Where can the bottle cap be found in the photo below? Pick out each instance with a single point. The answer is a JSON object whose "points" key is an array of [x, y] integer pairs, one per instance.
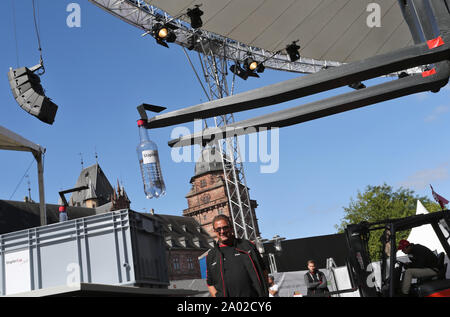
{"points": [[62, 208], [140, 122]]}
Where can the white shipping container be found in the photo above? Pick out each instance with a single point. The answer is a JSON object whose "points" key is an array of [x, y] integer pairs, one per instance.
{"points": [[115, 248]]}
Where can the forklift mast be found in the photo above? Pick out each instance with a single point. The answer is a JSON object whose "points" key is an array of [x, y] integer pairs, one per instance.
{"points": [[357, 237]]}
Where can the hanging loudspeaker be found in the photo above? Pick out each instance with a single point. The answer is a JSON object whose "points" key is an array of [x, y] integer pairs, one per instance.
{"points": [[29, 94]]}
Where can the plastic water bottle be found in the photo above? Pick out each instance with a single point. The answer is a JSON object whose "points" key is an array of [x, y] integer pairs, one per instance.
{"points": [[62, 214], [147, 152]]}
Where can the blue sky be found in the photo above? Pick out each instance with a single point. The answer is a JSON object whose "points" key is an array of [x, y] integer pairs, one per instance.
{"points": [[100, 72]]}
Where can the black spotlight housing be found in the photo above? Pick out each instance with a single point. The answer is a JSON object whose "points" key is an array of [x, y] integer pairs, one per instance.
{"points": [[195, 16], [163, 33], [252, 66], [260, 68], [292, 51], [239, 71], [29, 94]]}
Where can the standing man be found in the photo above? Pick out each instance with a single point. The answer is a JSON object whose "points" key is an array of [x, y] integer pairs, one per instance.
{"points": [[423, 263], [273, 288], [234, 266], [315, 281]]}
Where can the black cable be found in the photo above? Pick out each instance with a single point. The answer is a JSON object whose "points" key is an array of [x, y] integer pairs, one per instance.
{"points": [[15, 31], [20, 182], [38, 37]]}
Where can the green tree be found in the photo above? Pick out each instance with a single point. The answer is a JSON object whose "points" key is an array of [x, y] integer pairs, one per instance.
{"points": [[378, 203]]}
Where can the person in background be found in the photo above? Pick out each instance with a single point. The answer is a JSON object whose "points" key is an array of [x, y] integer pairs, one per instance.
{"points": [[315, 281], [424, 263], [273, 288], [235, 268]]}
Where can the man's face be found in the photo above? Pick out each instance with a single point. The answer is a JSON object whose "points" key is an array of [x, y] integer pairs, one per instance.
{"points": [[223, 231], [407, 250], [311, 267], [270, 281]]}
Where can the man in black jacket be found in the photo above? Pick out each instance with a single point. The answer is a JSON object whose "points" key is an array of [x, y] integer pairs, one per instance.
{"points": [[424, 263], [234, 266], [315, 281]]}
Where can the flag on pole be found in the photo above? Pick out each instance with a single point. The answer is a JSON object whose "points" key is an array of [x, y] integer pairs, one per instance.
{"points": [[441, 200]]}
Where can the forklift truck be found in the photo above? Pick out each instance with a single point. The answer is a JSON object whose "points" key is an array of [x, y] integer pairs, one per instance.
{"points": [[360, 266]]}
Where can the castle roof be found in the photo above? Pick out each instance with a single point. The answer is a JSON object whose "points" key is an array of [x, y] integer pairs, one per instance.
{"points": [[208, 161], [99, 187]]}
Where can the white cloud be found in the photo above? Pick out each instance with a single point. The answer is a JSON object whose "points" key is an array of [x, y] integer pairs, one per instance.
{"points": [[421, 179], [437, 112]]}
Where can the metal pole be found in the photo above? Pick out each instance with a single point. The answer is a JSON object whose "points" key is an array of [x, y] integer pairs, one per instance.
{"points": [[392, 261], [441, 237], [42, 207], [272, 263]]}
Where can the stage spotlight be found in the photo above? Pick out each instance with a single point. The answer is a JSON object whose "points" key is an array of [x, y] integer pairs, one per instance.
{"points": [[252, 66], [236, 69], [359, 85], [292, 50], [29, 94], [162, 34], [194, 15]]}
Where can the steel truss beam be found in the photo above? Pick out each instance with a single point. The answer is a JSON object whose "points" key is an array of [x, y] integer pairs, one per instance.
{"points": [[432, 51], [242, 215], [303, 86], [144, 16], [315, 110]]}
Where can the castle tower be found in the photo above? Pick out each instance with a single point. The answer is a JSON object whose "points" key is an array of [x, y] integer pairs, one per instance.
{"points": [[208, 195], [99, 192]]}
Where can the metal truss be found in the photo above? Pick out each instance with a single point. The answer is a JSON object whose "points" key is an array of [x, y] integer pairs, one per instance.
{"points": [[144, 16], [214, 69]]}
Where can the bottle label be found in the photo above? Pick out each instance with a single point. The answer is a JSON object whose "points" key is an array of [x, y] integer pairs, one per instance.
{"points": [[149, 156]]}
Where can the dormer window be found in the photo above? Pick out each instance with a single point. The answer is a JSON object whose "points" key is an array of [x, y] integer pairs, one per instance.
{"points": [[169, 241], [182, 241], [196, 242]]}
